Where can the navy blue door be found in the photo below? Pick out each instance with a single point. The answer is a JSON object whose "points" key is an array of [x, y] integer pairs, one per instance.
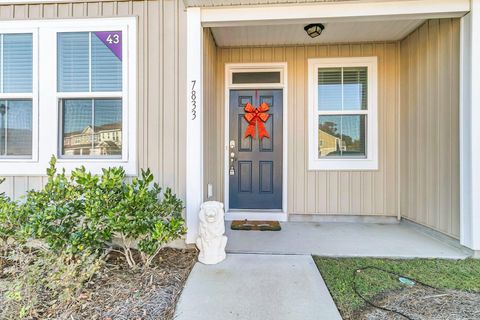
{"points": [[256, 165]]}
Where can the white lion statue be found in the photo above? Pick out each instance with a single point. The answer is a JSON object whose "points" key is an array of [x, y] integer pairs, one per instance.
{"points": [[211, 242]]}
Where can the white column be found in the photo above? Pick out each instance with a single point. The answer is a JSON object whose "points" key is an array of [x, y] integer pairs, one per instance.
{"points": [[194, 162], [470, 129]]}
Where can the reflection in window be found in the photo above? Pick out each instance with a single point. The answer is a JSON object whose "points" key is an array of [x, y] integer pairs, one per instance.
{"points": [[342, 136], [92, 127], [15, 128]]}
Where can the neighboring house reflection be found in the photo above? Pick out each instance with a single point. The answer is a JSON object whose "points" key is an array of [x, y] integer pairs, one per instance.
{"points": [[99, 141], [328, 143]]}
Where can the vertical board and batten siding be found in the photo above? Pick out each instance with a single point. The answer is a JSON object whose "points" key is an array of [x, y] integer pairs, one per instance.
{"points": [[161, 79], [320, 192], [429, 147], [212, 136]]}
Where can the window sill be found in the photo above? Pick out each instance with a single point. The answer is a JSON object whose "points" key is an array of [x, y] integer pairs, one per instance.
{"points": [[39, 168], [343, 165]]}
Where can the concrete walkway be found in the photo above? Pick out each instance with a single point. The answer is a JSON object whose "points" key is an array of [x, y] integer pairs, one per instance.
{"points": [[398, 240], [252, 286]]}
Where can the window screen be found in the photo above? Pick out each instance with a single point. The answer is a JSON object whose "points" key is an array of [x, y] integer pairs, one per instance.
{"points": [[342, 111], [92, 127], [16, 77], [91, 62]]}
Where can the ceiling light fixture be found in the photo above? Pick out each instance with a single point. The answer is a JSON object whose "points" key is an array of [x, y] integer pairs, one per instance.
{"points": [[314, 29]]}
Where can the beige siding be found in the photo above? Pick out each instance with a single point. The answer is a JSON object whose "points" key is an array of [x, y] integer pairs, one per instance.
{"points": [[212, 137], [430, 134], [333, 192], [161, 81]]}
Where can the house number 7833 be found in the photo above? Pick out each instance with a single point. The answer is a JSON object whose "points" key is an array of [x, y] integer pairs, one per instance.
{"points": [[193, 98]]}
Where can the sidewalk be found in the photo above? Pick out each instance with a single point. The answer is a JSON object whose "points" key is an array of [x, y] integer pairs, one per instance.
{"points": [[255, 286]]}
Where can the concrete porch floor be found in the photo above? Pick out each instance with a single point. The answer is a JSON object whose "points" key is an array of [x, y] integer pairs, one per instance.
{"points": [[398, 240]]}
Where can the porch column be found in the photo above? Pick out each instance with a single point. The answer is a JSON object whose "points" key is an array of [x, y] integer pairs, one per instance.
{"points": [[194, 161], [470, 129]]}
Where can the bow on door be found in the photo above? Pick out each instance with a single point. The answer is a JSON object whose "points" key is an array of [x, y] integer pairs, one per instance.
{"points": [[256, 118]]}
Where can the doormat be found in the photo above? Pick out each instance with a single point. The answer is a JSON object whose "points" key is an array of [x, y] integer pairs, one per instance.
{"points": [[247, 225]]}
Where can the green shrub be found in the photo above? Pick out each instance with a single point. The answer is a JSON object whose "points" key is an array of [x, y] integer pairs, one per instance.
{"points": [[11, 224], [83, 211], [64, 213], [140, 217]]}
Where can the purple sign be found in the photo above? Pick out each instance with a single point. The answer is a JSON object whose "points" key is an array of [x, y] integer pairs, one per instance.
{"points": [[113, 41]]}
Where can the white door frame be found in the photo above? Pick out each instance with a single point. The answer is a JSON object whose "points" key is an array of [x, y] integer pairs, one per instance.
{"points": [[239, 67]]}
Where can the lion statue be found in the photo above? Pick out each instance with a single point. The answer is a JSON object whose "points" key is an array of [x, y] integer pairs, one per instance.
{"points": [[211, 242]]}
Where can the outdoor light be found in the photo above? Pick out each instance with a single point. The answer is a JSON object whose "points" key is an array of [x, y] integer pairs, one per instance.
{"points": [[314, 29]]}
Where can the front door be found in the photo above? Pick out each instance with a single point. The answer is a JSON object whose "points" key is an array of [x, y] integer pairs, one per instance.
{"points": [[255, 165]]}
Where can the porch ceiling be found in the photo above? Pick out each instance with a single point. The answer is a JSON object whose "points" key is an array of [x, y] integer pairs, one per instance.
{"points": [[219, 3], [335, 32], [224, 3]]}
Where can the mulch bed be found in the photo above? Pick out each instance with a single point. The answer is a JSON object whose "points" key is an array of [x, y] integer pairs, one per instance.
{"points": [[120, 293], [423, 303]]}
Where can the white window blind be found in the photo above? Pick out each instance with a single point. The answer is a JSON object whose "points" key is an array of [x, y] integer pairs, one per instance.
{"points": [[86, 64], [16, 78]]}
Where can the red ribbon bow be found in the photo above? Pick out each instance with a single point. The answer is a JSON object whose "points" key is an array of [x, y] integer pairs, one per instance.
{"points": [[256, 117]]}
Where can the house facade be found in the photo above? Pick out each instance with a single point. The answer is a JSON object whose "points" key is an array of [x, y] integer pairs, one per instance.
{"points": [[282, 110]]}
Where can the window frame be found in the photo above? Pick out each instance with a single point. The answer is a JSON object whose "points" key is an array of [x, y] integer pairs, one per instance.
{"points": [[46, 113], [370, 162], [33, 96], [93, 95]]}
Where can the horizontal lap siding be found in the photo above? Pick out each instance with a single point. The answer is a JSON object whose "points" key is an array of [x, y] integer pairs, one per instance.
{"points": [[321, 192], [430, 133], [160, 81]]}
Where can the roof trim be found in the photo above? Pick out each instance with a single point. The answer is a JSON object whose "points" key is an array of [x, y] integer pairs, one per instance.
{"points": [[333, 11]]}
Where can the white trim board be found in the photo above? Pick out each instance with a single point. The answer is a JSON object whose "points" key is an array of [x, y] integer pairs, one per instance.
{"points": [[256, 216], [194, 121], [333, 11], [229, 69], [470, 129]]}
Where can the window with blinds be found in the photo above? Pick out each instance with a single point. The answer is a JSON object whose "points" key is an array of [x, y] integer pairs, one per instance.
{"points": [[342, 111], [90, 77], [16, 52]]}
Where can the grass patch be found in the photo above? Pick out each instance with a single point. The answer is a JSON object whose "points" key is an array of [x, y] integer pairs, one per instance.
{"points": [[338, 274]]}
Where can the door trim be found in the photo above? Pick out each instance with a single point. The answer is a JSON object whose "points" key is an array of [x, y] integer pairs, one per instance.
{"points": [[280, 215]]}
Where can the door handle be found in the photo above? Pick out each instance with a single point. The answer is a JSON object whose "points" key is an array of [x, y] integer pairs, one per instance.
{"points": [[232, 158]]}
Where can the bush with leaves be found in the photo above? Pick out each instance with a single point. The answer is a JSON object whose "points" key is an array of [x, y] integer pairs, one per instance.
{"points": [[11, 223], [65, 213], [140, 217], [84, 211]]}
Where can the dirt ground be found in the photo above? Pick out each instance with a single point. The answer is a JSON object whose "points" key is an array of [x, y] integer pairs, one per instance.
{"points": [[119, 293], [423, 303]]}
